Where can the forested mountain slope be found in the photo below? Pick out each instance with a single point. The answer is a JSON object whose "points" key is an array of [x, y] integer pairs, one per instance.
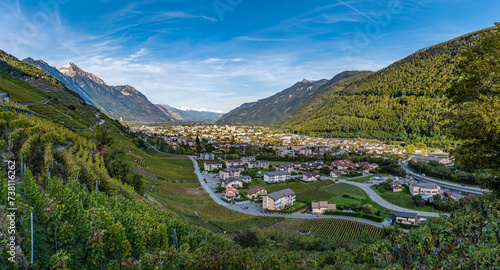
{"points": [[403, 101], [269, 110]]}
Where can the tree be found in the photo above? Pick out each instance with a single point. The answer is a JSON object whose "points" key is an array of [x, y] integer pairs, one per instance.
{"points": [[367, 209], [475, 115], [102, 137], [418, 200]]}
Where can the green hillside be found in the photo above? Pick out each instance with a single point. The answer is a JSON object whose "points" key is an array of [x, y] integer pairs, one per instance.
{"points": [[403, 101], [44, 94]]}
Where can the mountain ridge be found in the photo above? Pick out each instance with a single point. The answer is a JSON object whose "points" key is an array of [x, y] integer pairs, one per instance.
{"points": [[119, 102], [272, 110]]}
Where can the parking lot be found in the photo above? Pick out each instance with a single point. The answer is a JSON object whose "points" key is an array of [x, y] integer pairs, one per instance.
{"points": [[212, 180]]}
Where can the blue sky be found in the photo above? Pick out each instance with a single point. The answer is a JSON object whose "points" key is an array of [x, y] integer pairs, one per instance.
{"points": [[218, 54]]}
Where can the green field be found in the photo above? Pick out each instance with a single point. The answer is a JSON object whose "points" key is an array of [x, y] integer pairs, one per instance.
{"points": [[343, 188], [347, 195], [182, 193], [402, 199], [343, 230], [314, 195]]}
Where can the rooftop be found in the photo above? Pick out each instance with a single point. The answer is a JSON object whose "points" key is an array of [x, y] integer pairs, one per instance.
{"points": [[280, 194]]}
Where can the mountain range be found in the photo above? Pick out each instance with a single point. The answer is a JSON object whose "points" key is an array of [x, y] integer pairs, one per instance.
{"points": [[119, 102], [190, 115], [403, 101], [269, 110], [274, 109]]}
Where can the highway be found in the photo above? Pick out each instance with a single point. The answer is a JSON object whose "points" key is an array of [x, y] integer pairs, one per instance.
{"points": [[448, 185]]}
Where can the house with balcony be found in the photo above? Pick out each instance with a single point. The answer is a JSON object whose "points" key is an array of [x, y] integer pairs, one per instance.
{"points": [[229, 172], [278, 200], [396, 186], [284, 168], [276, 176], [207, 156], [234, 162], [311, 177], [256, 192], [231, 182], [212, 165]]}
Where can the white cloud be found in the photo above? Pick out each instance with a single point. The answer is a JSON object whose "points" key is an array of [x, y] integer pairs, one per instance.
{"points": [[184, 15]]}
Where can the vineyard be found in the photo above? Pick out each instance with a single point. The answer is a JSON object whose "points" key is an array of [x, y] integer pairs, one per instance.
{"points": [[342, 230]]}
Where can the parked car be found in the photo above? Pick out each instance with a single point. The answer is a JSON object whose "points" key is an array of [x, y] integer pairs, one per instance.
{"points": [[244, 207]]}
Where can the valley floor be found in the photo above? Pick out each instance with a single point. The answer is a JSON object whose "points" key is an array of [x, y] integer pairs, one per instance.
{"points": [[254, 209]]}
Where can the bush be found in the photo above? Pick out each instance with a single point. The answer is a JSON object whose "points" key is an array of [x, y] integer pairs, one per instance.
{"points": [[367, 208]]}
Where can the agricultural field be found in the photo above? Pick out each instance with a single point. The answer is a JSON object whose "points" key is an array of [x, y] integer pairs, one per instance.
{"points": [[343, 230], [182, 194]]}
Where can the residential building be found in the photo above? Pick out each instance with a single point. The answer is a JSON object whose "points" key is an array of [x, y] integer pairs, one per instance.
{"points": [[242, 178], [366, 166], [284, 168], [278, 200], [396, 186], [258, 164], [229, 172], [305, 151], [231, 193], [245, 160], [296, 164], [232, 182], [424, 189], [405, 218], [321, 207], [240, 168], [264, 164], [309, 177], [276, 176], [207, 156], [231, 163], [256, 192], [335, 173], [212, 165], [343, 164], [285, 152]]}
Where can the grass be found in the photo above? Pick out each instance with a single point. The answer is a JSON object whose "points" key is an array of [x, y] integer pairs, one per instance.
{"points": [[20, 91], [314, 195], [402, 199], [343, 188], [288, 225], [182, 194], [355, 196], [342, 230], [366, 178]]}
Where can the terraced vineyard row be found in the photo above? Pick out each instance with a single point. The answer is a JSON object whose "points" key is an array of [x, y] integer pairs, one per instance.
{"points": [[344, 230]]}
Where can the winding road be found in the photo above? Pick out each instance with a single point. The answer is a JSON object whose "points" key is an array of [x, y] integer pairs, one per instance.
{"points": [[257, 212]]}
